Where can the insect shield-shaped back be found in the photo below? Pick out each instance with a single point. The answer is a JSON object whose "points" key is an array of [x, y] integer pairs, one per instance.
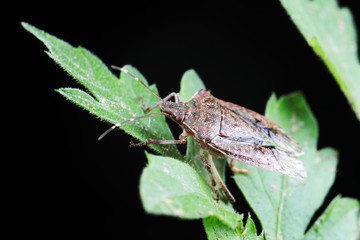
{"points": [[204, 117], [228, 130]]}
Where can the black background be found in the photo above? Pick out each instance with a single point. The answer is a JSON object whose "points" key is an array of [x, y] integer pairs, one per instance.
{"points": [[63, 182]]}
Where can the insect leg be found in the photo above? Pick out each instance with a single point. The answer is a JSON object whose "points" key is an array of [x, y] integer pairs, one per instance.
{"points": [[208, 168], [177, 97], [127, 121], [182, 140], [220, 181], [154, 141], [237, 170], [148, 109]]}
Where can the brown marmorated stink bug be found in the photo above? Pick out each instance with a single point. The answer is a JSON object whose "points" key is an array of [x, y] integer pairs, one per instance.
{"points": [[226, 130]]}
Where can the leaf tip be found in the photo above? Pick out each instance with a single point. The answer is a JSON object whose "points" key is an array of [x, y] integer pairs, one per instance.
{"points": [[30, 28], [24, 24]]}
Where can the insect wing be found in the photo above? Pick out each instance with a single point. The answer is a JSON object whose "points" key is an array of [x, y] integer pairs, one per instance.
{"points": [[266, 126], [270, 158], [235, 128]]}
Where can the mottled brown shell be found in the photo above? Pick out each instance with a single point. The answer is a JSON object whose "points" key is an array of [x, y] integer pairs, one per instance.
{"points": [[228, 130]]}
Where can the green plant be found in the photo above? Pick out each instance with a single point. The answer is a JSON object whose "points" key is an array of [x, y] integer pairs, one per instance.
{"points": [[178, 186], [330, 31]]}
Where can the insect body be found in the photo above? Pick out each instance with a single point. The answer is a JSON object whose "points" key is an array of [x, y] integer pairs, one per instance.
{"points": [[227, 130]]}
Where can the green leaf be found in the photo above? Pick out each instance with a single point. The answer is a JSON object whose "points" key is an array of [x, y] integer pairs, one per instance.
{"points": [[171, 187], [110, 98], [330, 31], [249, 231], [215, 230], [339, 221], [189, 85], [283, 204]]}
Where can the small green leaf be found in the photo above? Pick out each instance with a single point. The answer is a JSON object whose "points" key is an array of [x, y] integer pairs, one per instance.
{"points": [[171, 187], [339, 221], [190, 84], [110, 98], [217, 230], [330, 31], [249, 231]]}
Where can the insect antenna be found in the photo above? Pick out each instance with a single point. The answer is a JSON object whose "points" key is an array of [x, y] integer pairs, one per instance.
{"points": [[127, 121], [137, 79]]}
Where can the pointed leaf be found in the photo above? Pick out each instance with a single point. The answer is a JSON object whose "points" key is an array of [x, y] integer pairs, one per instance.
{"points": [[330, 31], [216, 230], [112, 99], [249, 231], [189, 85], [339, 221]]}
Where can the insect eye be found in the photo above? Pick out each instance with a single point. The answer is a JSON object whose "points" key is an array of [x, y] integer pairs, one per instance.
{"points": [[179, 118]]}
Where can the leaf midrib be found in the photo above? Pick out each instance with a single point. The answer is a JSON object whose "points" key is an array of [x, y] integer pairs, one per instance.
{"points": [[281, 204]]}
